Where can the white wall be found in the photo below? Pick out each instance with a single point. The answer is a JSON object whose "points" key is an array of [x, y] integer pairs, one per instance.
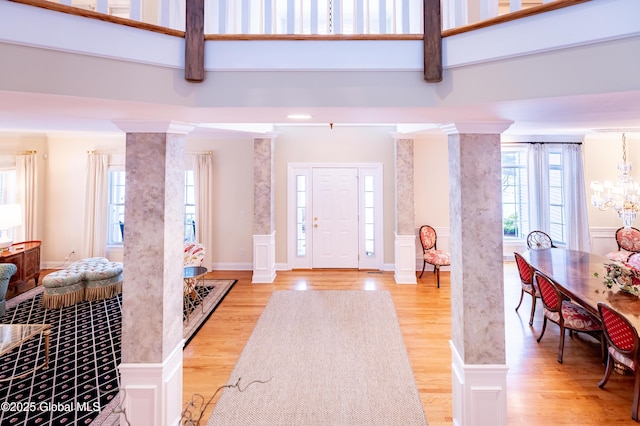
{"points": [[342, 144], [62, 163]]}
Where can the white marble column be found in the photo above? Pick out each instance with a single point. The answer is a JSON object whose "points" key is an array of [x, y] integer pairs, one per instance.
{"points": [[264, 234], [477, 294], [405, 237], [151, 368]]}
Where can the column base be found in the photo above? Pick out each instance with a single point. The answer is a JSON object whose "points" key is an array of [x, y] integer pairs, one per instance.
{"points": [[264, 258], [405, 259], [152, 392], [479, 392]]}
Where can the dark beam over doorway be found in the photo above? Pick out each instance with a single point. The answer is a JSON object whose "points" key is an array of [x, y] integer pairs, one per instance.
{"points": [[432, 41], [194, 41]]}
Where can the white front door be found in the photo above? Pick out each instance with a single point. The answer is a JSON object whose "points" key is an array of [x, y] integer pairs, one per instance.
{"points": [[335, 217]]}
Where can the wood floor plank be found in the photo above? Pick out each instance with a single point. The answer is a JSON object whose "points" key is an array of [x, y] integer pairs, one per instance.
{"points": [[540, 391]]}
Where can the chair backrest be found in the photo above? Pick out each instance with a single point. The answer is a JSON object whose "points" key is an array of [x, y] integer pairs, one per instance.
{"points": [[428, 237], [549, 293], [634, 261], [525, 270], [628, 239], [619, 332], [538, 240]]}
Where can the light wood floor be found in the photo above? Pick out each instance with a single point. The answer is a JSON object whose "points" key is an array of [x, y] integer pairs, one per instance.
{"points": [[540, 390]]}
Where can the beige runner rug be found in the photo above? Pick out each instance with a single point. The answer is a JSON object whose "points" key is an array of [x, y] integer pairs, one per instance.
{"points": [[323, 357]]}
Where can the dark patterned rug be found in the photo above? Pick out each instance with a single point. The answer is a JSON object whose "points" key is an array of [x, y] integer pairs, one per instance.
{"points": [[82, 378]]}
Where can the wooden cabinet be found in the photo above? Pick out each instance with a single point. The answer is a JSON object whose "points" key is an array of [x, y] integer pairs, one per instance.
{"points": [[26, 256]]}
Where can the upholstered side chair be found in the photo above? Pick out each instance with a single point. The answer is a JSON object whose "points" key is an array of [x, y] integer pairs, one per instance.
{"points": [[565, 313], [430, 252], [6, 272], [623, 345], [628, 240], [527, 284]]}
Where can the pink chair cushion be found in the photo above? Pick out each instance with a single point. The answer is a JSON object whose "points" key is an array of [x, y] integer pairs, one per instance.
{"points": [[437, 257], [619, 256], [622, 359], [634, 261], [575, 317]]}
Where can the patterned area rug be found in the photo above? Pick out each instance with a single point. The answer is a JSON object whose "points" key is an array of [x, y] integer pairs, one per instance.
{"points": [[82, 378]]}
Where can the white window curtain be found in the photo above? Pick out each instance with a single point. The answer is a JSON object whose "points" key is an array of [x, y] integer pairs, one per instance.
{"points": [[575, 200], [203, 181], [94, 242], [27, 195], [538, 181], [577, 223]]}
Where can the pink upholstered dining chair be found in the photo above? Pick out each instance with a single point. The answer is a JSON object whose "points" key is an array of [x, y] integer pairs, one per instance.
{"points": [[622, 339], [628, 240], [526, 272], [430, 252], [565, 313]]}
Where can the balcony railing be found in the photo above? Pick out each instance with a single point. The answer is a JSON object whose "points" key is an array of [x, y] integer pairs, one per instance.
{"points": [[306, 17]]}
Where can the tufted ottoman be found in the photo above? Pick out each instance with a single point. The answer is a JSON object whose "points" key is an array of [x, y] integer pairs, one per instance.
{"points": [[93, 278]]}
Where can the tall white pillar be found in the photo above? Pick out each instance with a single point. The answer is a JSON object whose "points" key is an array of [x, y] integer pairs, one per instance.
{"points": [[405, 237], [151, 368], [264, 234], [477, 293]]}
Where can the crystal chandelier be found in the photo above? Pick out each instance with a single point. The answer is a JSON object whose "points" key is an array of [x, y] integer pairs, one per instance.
{"points": [[621, 196]]}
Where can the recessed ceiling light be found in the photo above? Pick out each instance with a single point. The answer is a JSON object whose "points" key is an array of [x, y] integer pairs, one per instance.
{"points": [[299, 116]]}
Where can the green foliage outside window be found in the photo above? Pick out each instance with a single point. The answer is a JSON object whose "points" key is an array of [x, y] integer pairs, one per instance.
{"points": [[510, 225]]}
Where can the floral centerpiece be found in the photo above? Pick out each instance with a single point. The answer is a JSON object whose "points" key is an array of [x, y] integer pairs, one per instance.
{"points": [[626, 277]]}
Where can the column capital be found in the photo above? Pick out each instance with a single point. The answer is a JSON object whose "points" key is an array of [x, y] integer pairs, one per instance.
{"points": [[476, 127], [268, 135], [133, 126]]}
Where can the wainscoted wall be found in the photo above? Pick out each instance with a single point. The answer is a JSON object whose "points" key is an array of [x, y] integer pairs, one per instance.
{"points": [[603, 240]]}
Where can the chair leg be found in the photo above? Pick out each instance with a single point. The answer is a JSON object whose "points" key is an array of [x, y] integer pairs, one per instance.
{"points": [[438, 275], [636, 396], [544, 327], [533, 309], [561, 344], [423, 265], [521, 297], [607, 372]]}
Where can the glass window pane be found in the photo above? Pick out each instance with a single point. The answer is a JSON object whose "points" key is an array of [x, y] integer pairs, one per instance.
{"points": [[368, 199], [368, 215], [368, 183]]}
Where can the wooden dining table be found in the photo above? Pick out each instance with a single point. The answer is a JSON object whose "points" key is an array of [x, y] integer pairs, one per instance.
{"points": [[573, 271]]}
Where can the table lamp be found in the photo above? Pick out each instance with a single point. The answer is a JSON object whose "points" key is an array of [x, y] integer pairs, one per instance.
{"points": [[10, 216]]}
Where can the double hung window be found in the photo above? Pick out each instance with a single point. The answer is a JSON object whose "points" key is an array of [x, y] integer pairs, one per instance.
{"points": [[115, 234], [533, 191]]}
